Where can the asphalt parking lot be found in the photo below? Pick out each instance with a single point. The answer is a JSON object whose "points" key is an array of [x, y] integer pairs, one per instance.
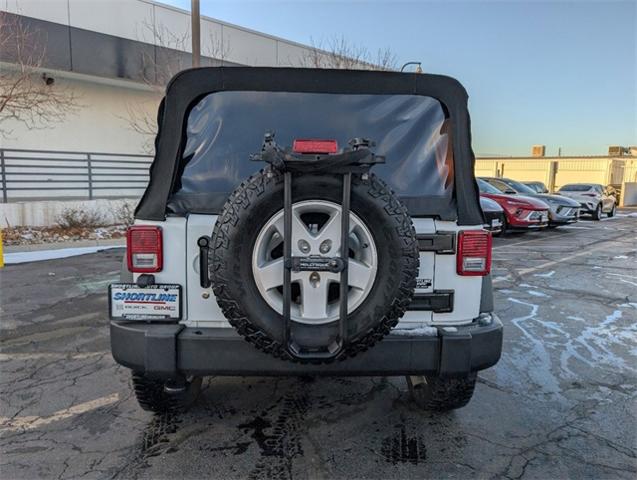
{"points": [[561, 402]]}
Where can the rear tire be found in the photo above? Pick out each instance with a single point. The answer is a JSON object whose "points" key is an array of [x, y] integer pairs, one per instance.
{"points": [[152, 396], [597, 214], [441, 394], [612, 212]]}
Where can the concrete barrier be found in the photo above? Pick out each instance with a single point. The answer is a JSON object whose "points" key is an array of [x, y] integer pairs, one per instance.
{"points": [[45, 213]]}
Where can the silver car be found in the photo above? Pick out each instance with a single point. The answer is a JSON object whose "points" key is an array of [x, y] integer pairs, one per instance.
{"points": [[562, 210], [592, 197]]}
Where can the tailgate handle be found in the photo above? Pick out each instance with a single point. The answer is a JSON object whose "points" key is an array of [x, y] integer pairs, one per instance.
{"points": [[441, 243], [204, 248]]}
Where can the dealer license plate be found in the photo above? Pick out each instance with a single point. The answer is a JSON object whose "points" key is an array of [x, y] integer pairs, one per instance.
{"points": [[127, 301], [496, 223], [545, 217]]}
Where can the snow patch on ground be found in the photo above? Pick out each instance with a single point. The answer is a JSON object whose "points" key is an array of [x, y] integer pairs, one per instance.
{"points": [[545, 275], [502, 278], [620, 256], [38, 256], [578, 319], [535, 293], [539, 369], [417, 332]]}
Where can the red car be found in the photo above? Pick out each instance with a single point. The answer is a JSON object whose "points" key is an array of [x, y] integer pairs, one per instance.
{"points": [[521, 212]]}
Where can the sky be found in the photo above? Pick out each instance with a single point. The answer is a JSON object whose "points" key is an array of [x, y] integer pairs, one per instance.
{"points": [[562, 74]]}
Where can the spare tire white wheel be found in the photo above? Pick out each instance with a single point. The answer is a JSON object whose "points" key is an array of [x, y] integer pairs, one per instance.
{"points": [[247, 266]]}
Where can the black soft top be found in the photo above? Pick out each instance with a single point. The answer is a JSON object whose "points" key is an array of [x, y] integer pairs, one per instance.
{"points": [[183, 178]]}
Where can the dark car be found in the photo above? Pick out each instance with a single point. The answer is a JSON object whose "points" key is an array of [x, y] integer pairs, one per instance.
{"points": [[538, 187], [494, 215], [562, 210], [520, 212]]}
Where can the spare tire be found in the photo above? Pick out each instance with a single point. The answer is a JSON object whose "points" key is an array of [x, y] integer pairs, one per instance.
{"points": [[247, 262]]}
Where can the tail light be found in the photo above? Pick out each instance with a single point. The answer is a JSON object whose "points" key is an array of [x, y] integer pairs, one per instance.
{"points": [[144, 250], [315, 146], [474, 253]]}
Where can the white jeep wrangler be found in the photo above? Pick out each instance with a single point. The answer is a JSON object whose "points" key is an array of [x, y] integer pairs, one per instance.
{"points": [[308, 222]]}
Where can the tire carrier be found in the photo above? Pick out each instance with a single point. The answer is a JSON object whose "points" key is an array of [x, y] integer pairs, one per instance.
{"points": [[316, 159]]}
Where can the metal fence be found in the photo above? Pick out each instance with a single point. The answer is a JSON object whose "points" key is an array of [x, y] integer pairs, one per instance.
{"points": [[42, 174]]}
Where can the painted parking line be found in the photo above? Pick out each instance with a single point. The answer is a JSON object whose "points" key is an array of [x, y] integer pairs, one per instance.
{"points": [[40, 255], [32, 422], [564, 236], [576, 227], [542, 238], [632, 277], [524, 271]]}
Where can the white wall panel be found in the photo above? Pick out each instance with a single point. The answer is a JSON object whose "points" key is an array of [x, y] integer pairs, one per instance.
{"points": [[51, 10], [212, 44], [121, 18], [249, 48], [290, 55], [173, 29]]}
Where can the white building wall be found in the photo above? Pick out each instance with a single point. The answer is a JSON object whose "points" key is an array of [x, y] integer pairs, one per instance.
{"points": [[101, 123], [121, 18], [137, 19], [249, 48]]}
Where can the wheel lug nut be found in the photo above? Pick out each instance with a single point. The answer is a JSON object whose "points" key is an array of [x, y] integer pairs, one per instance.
{"points": [[304, 246], [325, 246]]}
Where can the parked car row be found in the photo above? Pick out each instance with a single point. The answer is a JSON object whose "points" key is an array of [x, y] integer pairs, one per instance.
{"points": [[509, 205]]}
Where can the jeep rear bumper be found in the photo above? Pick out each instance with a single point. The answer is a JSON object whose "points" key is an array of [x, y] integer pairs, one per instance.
{"points": [[167, 351]]}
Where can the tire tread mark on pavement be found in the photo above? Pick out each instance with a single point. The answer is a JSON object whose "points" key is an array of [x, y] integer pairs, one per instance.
{"points": [[283, 443], [399, 448]]}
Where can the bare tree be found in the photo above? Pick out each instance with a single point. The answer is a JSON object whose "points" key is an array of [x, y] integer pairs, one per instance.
{"points": [[159, 66], [337, 52], [27, 95]]}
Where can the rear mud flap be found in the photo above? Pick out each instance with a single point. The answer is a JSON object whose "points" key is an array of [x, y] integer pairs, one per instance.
{"points": [[455, 353], [160, 357]]}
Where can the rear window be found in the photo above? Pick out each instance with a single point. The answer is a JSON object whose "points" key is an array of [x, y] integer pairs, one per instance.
{"points": [[537, 187], [486, 187], [500, 186], [520, 187], [575, 188], [224, 128]]}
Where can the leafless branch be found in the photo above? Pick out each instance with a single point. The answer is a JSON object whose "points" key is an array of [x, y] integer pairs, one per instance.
{"points": [[142, 122], [159, 66], [27, 95], [337, 52]]}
